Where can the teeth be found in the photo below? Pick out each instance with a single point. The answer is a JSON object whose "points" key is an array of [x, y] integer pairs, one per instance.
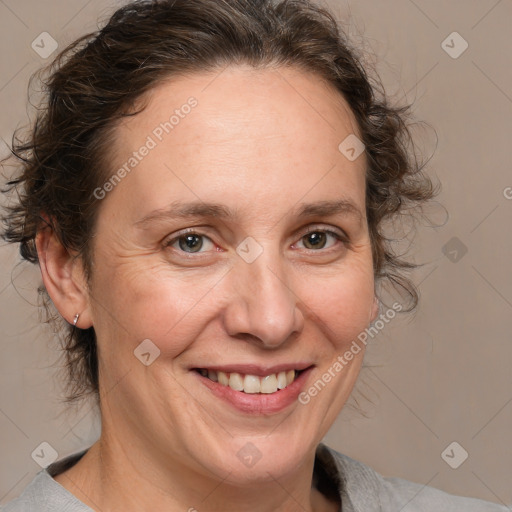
{"points": [[251, 383], [222, 378], [236, 382], [269, 384], [281, 380]]}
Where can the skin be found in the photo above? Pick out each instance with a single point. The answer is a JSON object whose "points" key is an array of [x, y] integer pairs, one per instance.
{"points": [[260, 142]]}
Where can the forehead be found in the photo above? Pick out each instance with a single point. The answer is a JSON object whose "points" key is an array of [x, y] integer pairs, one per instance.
{"points": [[279, 126], [235, 102]]}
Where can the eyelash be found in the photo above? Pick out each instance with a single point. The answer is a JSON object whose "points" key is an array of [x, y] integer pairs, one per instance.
{"points": [[339, 236]]}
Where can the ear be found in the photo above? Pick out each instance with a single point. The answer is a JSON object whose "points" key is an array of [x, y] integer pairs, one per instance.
{"points": [[374, 310], [63, 277]]}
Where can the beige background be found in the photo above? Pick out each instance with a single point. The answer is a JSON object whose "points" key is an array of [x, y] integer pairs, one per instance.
{"points": [[439, 376]]}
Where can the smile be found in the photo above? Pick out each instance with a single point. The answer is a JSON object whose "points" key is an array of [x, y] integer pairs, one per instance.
{"points": [[255, 389], [252, 384]]}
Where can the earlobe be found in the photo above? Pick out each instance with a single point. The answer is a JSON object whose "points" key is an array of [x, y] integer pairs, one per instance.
{"points": [[374, 311], [63, 278]]}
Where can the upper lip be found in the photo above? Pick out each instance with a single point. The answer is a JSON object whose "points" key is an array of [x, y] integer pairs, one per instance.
{"points": [[254, 369]]}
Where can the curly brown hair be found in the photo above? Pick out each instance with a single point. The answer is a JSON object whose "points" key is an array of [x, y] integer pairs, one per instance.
{"points": [[102, 77]]}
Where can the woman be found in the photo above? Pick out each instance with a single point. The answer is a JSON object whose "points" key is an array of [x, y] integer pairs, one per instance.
{"points": [[204, 194]]}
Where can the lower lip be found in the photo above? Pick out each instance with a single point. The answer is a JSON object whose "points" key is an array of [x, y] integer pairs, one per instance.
{"points": [[258, 403]]}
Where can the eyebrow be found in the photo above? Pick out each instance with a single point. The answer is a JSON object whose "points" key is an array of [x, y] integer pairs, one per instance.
{"points": [[198, 209], [330, 208]]}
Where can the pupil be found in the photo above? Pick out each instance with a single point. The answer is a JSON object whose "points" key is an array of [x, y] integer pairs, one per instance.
{"points": [[193, 242], [316, 239]]}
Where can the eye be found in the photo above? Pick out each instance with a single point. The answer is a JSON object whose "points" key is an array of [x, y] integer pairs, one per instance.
{"points": [[190, 242], [316, 239]]}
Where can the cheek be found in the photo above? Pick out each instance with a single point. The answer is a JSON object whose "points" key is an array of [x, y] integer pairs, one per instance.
{"points": [[134, 303], [341, 305]]}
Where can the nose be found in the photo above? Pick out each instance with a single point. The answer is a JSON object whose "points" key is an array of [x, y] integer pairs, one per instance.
{"points": [[263, 307]]}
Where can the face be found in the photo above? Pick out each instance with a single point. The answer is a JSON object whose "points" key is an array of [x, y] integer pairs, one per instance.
{"points": [[237, 246]]}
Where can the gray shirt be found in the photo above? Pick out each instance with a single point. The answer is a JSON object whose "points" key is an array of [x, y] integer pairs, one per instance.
{"points": [[357, 486]]}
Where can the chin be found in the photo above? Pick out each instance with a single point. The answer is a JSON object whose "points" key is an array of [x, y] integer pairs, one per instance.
{"points": [[253, 459]]}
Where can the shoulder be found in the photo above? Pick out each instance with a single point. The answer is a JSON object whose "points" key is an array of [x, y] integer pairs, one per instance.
{"points": [[367, 491], [44, 494]]}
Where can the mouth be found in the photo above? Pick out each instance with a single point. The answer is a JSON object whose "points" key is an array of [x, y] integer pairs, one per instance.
{"points": [[252, 384], [254, 390]]}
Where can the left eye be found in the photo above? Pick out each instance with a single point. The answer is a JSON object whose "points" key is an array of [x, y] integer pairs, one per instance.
{"points": [[191, 243], [318, 239]]}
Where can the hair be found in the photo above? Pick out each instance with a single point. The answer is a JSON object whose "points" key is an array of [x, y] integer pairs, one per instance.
{"points": [[101, 77]]}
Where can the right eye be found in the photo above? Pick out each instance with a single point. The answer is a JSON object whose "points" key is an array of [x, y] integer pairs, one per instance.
{"points": [[190, 242]]}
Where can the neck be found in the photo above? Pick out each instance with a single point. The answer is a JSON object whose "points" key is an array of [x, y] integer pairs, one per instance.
{"points": [[116, 476]]}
